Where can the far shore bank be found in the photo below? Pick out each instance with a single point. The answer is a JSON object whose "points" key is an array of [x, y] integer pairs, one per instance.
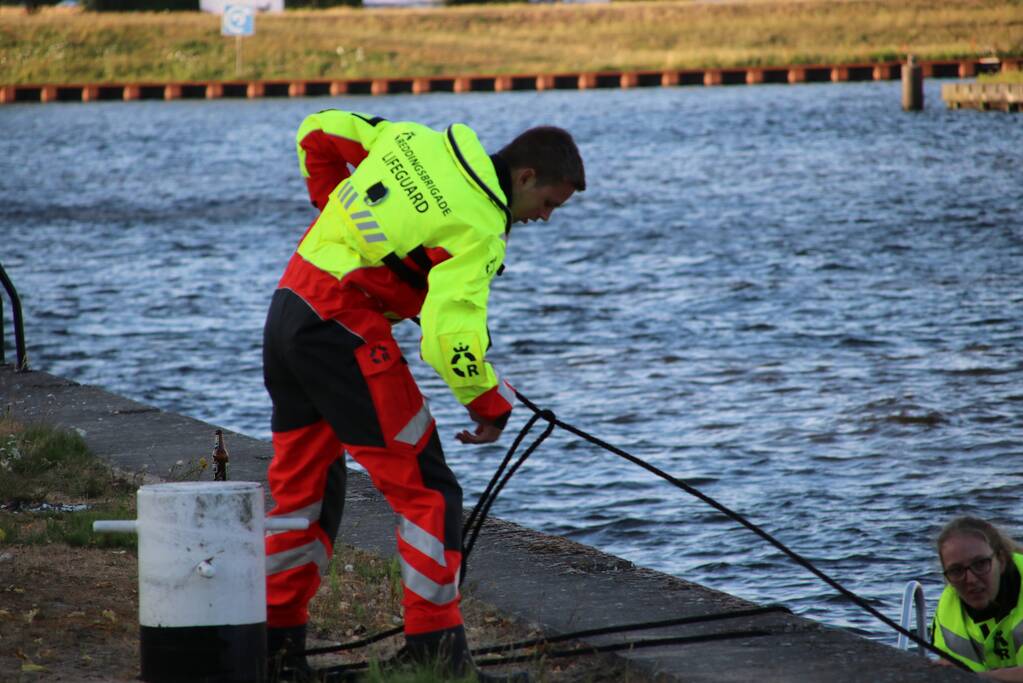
{"points": [[53, 47]]}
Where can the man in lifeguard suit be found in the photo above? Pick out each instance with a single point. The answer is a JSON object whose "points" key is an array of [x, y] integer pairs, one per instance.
{"points": [[414, 222]]}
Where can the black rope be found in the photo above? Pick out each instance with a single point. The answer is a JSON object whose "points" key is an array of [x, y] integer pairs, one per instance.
{"points": [[486, 501], [627, 645], [355, 644], [472, 526], [338, 671], [624, 628], [735, 516]]}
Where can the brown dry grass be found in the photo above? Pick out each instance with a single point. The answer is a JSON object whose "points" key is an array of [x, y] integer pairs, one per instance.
{"points": [[51, 47]]}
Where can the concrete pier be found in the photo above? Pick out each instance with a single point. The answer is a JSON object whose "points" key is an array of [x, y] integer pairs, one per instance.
{"points": [[983, 96], [793, 74], [560, 585]]}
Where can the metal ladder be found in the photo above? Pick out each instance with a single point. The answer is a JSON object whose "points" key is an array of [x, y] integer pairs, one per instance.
{"points": [[913, 596], [19, 324]]}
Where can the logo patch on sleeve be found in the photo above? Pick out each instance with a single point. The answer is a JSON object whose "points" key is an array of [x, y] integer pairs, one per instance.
{"points": [[465, 358]]}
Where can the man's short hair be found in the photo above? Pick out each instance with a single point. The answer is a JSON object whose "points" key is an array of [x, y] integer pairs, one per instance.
{"points": [[551, 152]]}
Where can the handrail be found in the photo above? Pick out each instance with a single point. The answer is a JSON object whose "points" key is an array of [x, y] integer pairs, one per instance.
{"points": [[19, 323], [913, 594]]}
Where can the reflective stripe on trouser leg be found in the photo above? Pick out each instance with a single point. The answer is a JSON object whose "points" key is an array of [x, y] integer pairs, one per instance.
{"points": [[306, 479], [423, 491], [381, 419]]}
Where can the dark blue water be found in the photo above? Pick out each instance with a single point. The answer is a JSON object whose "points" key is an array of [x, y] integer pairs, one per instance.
{"points": [[800, 299]]}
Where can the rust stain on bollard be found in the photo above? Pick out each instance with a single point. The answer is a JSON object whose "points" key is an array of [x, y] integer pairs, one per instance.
{"points": [[502, 83], [754, 76], [669, 78], [587, 81], [214, 91], [797, 75], [712, 77], [131, 92], [171, 91], [255, 89], [296, 89]]}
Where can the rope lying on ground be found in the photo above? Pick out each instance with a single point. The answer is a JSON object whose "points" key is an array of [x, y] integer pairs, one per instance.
{"points": [[474, 524], [735, 516]]}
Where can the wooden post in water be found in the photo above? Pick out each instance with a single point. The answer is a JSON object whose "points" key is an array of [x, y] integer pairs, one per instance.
{"points": [[912, 85]]}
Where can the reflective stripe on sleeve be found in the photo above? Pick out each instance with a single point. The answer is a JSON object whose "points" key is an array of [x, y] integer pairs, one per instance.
{"points": [[421, 540], [505, 391], [426, 588]]}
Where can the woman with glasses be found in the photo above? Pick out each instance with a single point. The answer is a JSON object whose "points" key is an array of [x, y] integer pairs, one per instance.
{"points": [[979, 619]]}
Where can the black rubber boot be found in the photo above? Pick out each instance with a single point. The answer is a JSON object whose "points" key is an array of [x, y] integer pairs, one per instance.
{"points": [[448, 650], [285, 662]]}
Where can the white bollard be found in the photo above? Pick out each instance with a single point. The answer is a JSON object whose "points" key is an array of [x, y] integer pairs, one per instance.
{"points": [[202, 580]]}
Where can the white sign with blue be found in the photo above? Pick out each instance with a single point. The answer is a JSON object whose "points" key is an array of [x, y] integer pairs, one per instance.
{"points": [[238, 20]]}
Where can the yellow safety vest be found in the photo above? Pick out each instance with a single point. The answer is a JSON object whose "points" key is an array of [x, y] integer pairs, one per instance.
{"points": [[956, 633]]}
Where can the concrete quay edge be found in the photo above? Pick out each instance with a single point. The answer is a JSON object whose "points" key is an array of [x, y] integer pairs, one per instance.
{"points": [[556, 584]]}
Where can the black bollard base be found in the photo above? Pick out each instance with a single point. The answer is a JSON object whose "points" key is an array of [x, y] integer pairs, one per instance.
{"points": [[204, 654]]}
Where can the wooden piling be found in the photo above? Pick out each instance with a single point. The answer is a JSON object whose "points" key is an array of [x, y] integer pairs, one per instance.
{"points": [[912, 85]]}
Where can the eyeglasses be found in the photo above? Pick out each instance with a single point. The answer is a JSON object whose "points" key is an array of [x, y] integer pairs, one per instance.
{"points": [[957, 573]]}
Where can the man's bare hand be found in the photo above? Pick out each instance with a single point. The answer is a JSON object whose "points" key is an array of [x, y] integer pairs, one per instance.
{"points": [[485, 432]]}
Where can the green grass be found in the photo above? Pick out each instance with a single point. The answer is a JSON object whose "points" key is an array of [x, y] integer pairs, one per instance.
{"points": [[345, 43], [41, 464], [71, 528], [1002, 77]]}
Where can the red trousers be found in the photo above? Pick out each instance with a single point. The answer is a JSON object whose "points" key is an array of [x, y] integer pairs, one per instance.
{"points": [[341, 385]]}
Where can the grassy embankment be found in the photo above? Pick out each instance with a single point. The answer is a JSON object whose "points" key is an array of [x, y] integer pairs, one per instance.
{"points": [[68, 596], [60, 47]]}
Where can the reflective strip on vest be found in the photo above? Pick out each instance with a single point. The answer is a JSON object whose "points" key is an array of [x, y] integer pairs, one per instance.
{"points": [[296, 557], [310, 512], [427, 588], [417, 426], [967, 648], [421, 540], [347, 195]]}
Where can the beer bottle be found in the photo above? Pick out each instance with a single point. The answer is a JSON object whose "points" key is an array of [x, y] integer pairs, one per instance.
{"points": [[219, 457]]}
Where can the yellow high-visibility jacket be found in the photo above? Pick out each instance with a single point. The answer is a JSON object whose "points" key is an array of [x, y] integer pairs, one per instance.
{"points": [[418, 222], [985, 645]]}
